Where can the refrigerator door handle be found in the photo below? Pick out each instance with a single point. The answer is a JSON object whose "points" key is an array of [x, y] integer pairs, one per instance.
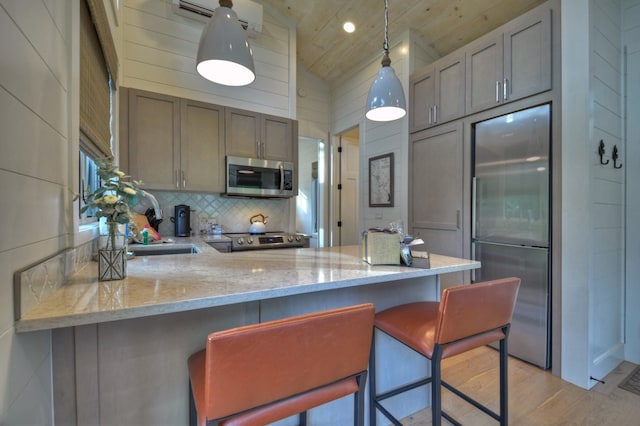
{"points": [[474, 207]]}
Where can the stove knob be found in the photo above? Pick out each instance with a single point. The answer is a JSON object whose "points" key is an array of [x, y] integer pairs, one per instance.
{"points": [[298, 238], [290, 238], [249, 240], [240, 241]]}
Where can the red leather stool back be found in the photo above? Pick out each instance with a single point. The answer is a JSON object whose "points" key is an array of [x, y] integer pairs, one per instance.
{"points": [[257, 365]]}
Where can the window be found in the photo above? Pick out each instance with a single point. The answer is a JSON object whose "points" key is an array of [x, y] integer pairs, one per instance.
{"points": [[89, 182], [98, 73]]}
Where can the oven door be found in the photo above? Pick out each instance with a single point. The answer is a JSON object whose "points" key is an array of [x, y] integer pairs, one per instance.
{"points": [[251, 177]]}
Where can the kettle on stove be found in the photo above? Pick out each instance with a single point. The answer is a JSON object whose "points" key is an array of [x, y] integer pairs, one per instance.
{"points": [[258, 224]]}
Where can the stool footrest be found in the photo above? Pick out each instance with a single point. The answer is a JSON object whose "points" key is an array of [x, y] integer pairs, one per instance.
{"points": [[401, 389], [471, 401]]}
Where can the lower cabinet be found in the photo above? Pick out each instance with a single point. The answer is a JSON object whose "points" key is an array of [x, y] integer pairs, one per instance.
{"points": [[436, 192]]}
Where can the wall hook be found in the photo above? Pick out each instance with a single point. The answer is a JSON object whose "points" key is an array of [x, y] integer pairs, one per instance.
{"points": [[614, 157], [601, 153]]}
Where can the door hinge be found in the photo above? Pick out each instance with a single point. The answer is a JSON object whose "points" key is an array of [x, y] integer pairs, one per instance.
{"points": [[339, 223], [339, 186], [339, 149]]}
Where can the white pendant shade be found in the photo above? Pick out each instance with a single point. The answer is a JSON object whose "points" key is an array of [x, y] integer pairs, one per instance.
{"points": [[224, 54], [386, 97]]}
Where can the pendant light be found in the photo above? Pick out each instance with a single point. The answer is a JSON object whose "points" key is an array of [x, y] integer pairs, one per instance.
{"points": [[224, 54], [386, 97]]}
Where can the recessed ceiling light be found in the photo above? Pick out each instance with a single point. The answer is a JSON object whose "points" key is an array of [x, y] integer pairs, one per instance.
{"points": [[349, 27]]}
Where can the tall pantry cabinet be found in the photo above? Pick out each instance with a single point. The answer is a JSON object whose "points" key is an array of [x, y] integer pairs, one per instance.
{"points": [[509, 64]]}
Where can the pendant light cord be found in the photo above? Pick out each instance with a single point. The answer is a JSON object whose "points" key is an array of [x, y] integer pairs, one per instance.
{"points": [[386, 60]]}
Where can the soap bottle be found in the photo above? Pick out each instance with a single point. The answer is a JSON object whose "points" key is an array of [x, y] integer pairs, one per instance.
{"points": [[145, 235]]}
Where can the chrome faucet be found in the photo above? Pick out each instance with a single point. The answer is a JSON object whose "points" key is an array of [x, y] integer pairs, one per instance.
{"points": [[154, 201]]}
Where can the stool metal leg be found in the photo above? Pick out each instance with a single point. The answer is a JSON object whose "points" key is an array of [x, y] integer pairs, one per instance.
{"points": [[504, 380], [193, 415], [372, 381], [436, 386]]}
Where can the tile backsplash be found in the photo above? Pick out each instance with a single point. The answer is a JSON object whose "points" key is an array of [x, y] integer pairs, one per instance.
{"points": [[232, 213]]}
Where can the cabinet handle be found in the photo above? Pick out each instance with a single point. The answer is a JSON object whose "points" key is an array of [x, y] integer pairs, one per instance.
{"points": [[258, 149], [435, 114], [177, 179], [473, 256], [497, 91], [505, 90], [430, 115], [281, 177], [458, 219], [184, 180]]}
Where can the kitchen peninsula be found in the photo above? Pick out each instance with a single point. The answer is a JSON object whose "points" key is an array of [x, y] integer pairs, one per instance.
{"points": [[120, 347]]}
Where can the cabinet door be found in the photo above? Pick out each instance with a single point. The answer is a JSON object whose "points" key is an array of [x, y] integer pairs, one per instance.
{"points": [[202, 147], [436, 180], [276, 140], [527, 55], [450, 94], [242, 133], [436, 192], [154, 139], [484, 65], [421, 100]]}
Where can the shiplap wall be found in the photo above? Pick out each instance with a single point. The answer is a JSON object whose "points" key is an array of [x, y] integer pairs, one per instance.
{"points": [[631, 33], [159, 54], [592, 194], [313, 106], [35, 86], [606, 289]]}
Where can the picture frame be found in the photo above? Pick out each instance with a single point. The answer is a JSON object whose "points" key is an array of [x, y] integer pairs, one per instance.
{"points": [[381, 181]]}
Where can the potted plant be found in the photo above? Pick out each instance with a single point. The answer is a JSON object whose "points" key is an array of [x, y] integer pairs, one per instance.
{"points": [[112, 200]]}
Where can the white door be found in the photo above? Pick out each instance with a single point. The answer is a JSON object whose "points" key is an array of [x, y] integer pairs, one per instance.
{"points": [[346, 198]]}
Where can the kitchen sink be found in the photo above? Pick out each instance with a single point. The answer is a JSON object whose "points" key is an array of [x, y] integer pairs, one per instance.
{"points": [[161, 249]]}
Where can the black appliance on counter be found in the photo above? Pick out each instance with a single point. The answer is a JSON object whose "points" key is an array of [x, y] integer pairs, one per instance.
{"points": [[182, 220], [268, 240]]}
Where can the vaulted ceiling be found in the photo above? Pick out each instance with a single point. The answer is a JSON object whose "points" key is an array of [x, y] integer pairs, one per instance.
{"points": [[328, 51]]}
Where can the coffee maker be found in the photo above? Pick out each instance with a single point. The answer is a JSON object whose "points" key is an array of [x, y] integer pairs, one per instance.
{"points": [[182, 220]]}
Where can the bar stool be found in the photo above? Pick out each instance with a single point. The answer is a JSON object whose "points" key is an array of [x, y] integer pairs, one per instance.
{"points": [[467, 317], [261, 373]]}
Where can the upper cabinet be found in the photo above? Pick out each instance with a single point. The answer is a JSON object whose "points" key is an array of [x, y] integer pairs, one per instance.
{"points": [[173, 143], [510, 64], [201, 146], [437, 93], [153, 139], [254, 135]]}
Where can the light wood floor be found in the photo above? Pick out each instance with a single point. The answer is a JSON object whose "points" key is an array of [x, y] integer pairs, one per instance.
{"points": [[536, 397]]}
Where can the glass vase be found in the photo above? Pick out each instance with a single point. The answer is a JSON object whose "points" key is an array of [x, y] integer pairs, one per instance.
{"points": [[112, 254]]}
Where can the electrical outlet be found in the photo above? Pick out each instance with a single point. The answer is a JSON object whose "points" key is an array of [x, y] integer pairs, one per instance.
{"points": [[205, 224]]}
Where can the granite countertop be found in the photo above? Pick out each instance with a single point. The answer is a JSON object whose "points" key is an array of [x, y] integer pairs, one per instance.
{"points": [[174, 283]]}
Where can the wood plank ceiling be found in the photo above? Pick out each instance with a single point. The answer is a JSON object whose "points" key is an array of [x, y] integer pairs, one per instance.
{"points": [[328, 51]]}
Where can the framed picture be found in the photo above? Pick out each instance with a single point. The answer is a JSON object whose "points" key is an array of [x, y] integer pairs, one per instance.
{"points": [[381, 181]]}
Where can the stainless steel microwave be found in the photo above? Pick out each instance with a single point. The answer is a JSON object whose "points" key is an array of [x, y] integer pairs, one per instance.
{"points": [[254, 177]]}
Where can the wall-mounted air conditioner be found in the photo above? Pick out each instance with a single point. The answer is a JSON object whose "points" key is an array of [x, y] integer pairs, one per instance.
{"points": [[249, 12]]}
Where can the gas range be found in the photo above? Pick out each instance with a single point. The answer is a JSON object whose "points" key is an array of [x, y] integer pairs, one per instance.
{"points": [[268, 240]]}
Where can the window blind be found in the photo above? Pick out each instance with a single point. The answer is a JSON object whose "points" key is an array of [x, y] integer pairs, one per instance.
{"points": [[95, 79]]}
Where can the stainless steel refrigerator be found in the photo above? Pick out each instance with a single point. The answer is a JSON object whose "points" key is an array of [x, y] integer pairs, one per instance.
{"points": [[510, 215]]}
